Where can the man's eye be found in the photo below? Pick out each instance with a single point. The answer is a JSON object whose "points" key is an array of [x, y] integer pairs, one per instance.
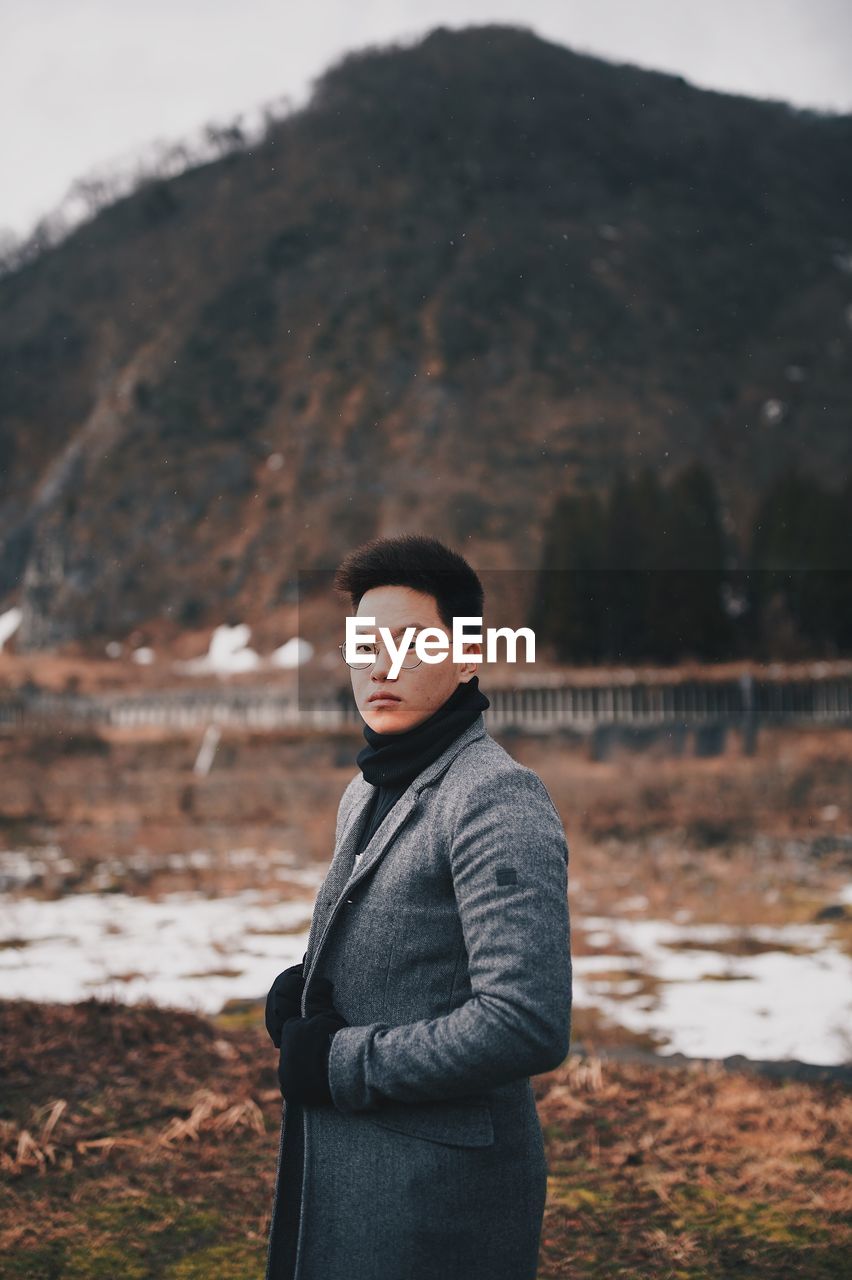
{"points": [[365, 650]]}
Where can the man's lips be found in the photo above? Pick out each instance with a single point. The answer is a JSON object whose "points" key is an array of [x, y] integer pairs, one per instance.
{"points": [[383, 697]]}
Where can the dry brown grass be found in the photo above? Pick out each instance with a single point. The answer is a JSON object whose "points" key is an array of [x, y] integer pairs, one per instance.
{"points": [[146, 1127], [755, 839], [693, 1171], [732, 839]]}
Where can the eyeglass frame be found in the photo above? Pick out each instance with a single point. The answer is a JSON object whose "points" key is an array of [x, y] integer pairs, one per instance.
{"points": [[372, 662]]}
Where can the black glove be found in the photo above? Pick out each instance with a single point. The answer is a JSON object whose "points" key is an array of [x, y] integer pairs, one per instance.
{"points": [[284, 1000], [305, 1046], [320, 996]]}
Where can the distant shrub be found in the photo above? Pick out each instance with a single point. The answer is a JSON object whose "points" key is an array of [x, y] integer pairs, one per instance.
{"points": [[191, 611], [157, 202]]}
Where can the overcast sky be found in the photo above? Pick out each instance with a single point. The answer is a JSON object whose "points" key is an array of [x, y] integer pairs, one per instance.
{"points": [[85, 83]]}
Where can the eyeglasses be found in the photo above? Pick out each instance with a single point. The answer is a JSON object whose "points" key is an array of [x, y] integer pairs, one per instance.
{"points": [[366, 654]]}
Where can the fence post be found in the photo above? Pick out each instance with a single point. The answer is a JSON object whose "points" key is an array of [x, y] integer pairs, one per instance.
{"points": [[748, 728]]}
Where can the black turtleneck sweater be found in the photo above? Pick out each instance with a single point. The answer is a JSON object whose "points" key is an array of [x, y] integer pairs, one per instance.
{"points": [[391, 761]]}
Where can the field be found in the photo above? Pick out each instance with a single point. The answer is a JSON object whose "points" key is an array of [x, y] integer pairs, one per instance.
{"points": [[159, 1162], [140, 1141]]}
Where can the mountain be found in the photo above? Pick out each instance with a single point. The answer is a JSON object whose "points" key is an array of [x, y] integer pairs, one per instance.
{"points": [[470, 277]]}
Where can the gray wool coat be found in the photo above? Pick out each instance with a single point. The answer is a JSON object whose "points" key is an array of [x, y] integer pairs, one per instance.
{"points": [[449, 950]]}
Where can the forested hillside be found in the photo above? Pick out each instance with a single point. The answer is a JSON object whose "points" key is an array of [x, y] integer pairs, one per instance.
{"points": [[473, 277]]}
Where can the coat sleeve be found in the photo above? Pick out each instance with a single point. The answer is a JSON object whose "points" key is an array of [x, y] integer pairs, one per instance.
{"points": [[509, 860]]}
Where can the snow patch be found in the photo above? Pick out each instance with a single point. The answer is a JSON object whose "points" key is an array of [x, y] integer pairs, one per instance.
{"points": [[9, 623], [711, 1004], [685, 983], [773, 411], [294, 653], [185, 950], [227, 652]]}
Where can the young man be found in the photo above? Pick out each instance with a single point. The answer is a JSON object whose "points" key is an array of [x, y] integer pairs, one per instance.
{"points": [[437, 977]]}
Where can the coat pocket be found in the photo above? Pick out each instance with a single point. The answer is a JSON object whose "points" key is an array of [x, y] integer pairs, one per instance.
{"points": [[459, 1123]]}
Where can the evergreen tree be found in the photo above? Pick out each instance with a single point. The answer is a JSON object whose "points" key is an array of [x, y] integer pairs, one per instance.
{"points": [[631, 546], [687, 611], [567, 608], [801, 552]]}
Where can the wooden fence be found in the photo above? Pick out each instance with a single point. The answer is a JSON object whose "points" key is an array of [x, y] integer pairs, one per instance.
{"points": [[641, 704]]}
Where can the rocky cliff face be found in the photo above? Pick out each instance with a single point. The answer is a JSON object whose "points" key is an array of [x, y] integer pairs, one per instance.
{"points": [[469, 277]]}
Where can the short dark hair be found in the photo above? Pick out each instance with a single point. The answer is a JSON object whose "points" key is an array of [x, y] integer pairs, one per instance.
{"points": [[415, 561]]}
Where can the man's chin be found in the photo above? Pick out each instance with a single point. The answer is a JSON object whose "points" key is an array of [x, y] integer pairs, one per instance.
{"points": [[384, 717]]}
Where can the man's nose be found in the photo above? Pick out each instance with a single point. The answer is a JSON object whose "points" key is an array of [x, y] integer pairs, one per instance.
{"points": [[382, 665]]}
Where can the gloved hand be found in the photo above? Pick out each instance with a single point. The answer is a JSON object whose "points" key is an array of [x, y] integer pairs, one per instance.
{"points": [[305, 1046], [284, 1000], [320, 997]]}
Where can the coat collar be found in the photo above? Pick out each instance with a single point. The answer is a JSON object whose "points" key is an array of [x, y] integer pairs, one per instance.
{"points": [[364, 790], [343, 875], [406, 804]]}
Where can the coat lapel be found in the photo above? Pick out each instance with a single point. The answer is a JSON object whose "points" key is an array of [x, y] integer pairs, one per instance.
{"points": [[407, 803], [341, 863], [343, 875]]}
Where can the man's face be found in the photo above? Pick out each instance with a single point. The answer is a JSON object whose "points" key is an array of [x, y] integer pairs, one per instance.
{"points": [[416, 692]]}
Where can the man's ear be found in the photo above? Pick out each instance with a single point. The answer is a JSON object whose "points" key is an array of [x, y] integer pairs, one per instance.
{"points": [[470, 669]]}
